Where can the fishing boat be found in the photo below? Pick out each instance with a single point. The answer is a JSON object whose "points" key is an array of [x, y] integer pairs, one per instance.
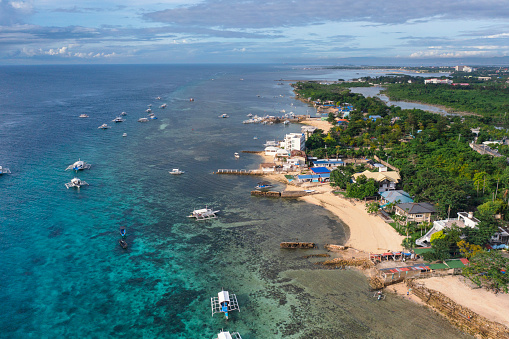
{"points": [[191, 99], [228, 335], [286, 122], [123, 243], [142, 120], [203, 214], [176, 171], [118, 119], [236, 155], [148, 110], [224, 116], [79, 165], [104, 126], [153, 117], [249, 115], [4, 170], [163, 106], [263, 185], [224, 303], [123, 113], [158, 98], [76, 182], [123, 231], [83, 115], [255, 138]]}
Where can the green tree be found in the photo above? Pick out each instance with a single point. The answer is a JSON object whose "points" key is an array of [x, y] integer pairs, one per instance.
{"points": [[489, 269]]}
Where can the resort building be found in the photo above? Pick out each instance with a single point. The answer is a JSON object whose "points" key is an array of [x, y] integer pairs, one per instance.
{"points": [[386, 180], [294, 141], [271, 150], [438, 81], [416, 212], [328, 163], [463, 220]]}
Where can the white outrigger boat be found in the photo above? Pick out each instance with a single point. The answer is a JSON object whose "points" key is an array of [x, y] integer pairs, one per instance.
{"points": [[118, 119], [76, 182], [123, 113], [79, 165], [224, 115], [4, 170], [228, 335], [224, 303], [203, 214], [143, 120], [236, 155], [163, 106], [176, 171], [83, 115], [104, 126]]}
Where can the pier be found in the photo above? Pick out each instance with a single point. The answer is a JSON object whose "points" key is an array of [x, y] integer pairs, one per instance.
{"points": [[275, 194], [239, 172]]}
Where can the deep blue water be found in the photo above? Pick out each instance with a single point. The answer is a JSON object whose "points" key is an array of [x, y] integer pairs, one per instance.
{"points": [[62, 271]]}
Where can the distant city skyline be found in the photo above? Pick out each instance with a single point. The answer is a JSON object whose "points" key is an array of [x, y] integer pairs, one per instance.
{"points": [[226, 31]]}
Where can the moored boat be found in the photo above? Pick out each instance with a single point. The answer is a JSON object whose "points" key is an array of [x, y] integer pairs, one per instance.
{"points": [[79, 165], [118, 119], [142, 120], [176, 171], [123, 231], [224, 303], [104, 126], [4, 170], [83, 115], [263, 185], [228, 335], [76, 182], [124, 135], [123, 243], [203, 214], [236, 155], [163, 106]]}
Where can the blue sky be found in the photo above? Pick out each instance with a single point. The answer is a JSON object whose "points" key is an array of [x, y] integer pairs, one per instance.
{"points": [[293, 31]]}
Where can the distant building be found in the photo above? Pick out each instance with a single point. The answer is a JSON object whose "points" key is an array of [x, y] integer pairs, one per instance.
{"points": [[463, 69], [484, 78], [438, 81]]}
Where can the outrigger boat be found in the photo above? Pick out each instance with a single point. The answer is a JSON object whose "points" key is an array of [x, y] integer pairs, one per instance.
{"points": [[224, 116], [4, 170], [224, 303], [176, 171], [79, 165], [263, 185], [123, 113], [104, 126], [143, 120], [123, 243], [228, 335], [203, 214], [83, 115], [76, 182], [236, 155], [118, 119], [163, 106]]}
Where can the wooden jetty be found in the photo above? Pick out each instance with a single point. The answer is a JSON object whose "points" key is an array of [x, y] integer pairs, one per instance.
{"points": [[291, 244], [239, 172]]}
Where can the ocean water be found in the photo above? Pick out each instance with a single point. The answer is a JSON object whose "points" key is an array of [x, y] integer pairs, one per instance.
{"points": [[62, 271]]}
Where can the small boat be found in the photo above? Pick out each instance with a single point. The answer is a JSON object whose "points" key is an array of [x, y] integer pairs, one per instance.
{"points": [[224, 116], [76, 182], [153, 117], [255, 138], [142, 120], [191, 99], [78, 165], [158, 98], [118, 119], [149, 105], [151, 114], [176, 171], [286, 122], [228, 335], [123, 231], [224, 303], [263, 185], [83, 115], [236, 155], [163, 106], [249, 115], [4, 170], [123, 113], [149, 110], [124, 135], [203, 214], [123, 243], [104, 126]]}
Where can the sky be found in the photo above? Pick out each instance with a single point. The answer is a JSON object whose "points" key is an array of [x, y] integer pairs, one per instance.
{"points": [[252, 31]]}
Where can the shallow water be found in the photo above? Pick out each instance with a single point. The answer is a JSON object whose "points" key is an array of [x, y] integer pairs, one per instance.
{"points": [[63, 273]]}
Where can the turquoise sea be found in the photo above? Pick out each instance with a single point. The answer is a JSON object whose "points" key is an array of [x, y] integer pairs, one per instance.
{"points": [[62, 271]]}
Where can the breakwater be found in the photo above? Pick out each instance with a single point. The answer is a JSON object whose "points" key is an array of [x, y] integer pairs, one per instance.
{"points": [[239, 172]]}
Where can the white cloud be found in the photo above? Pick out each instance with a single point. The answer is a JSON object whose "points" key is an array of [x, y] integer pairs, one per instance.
{"points": [[243, 49], [447, 54]]}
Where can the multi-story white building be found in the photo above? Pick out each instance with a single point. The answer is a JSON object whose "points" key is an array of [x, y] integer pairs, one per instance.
{"points": [[294, 141], [463, 69], [438, 81]]}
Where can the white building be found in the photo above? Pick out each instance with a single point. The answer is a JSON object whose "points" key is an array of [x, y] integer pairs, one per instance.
{"points": [[463, 69], [271, 150], [464, 220], [438, 81], [294, 141]]}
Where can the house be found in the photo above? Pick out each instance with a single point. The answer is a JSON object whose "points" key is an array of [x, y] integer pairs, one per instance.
{"points": [[313, 177], [417, 212], [386, 180], [501, 237], [463, 220], [282, 154], [399, 196], [271, 150], [319, 170], [438, 81], [268, 167], [375, 117], [328, 163]]}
